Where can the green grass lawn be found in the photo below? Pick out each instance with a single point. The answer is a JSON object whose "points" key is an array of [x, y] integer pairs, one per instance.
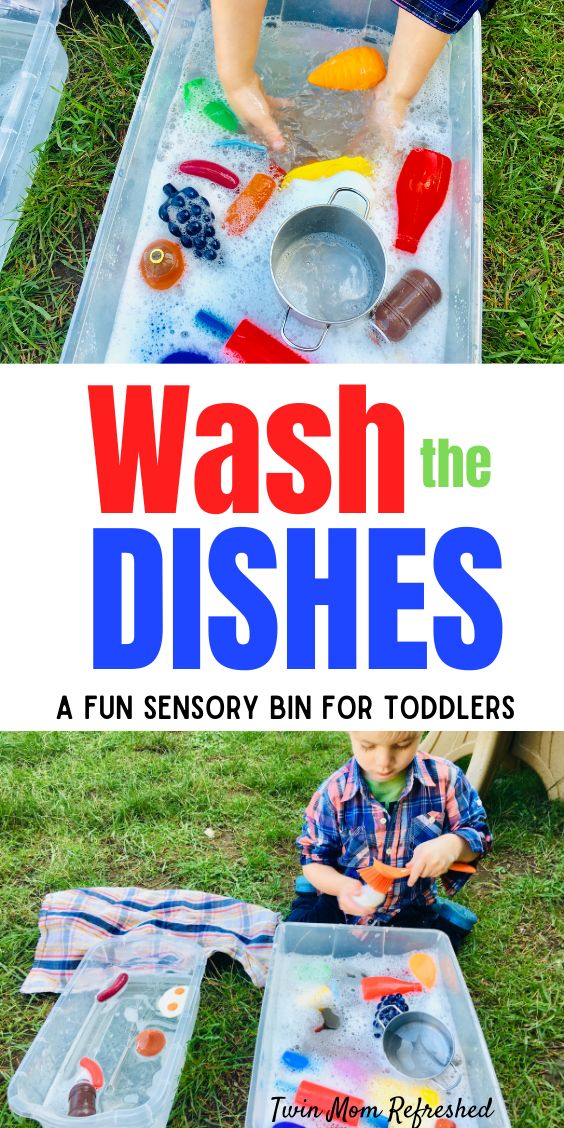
{"points": [[108, 54], [132, 808]]}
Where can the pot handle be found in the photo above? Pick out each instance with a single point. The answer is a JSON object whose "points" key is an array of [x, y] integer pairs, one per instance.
{"points": [[383, 1025], [294, 344], [449, 1078], [356, 192]]}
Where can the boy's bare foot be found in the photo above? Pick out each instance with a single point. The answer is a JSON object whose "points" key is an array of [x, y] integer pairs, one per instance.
{"points": [[254, 109]]}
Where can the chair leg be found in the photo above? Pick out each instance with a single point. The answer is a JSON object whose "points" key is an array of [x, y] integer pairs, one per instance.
{"points": [[544, 753], [488, 751]]}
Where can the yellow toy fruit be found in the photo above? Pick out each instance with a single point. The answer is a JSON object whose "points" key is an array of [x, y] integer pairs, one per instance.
{"points": [[381, 1091], [319, 170], [359, 68], [319, 997], [424, 968]]}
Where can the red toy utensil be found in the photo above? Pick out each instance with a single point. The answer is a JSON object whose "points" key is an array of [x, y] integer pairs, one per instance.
{"points": [[376, 986], [249, 344], [420, 192], [310, 1096]]}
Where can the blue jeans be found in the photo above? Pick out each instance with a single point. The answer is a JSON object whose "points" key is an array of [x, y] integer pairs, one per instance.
{"points": [[321, 908]]}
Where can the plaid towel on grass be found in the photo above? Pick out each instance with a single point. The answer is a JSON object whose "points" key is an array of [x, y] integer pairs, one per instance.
{"points": [[71, 922], [150, 14]]}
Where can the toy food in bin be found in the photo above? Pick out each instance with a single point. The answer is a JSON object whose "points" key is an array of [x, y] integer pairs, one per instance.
{"points": [[114, 1044]]}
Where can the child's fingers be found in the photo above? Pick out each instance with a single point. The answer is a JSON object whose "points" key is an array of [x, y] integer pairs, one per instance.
{"points": [[280, 103], [265, 127], [418, 869]]}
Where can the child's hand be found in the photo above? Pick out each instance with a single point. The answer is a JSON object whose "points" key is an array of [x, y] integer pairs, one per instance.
{"points": [[433, 858], [383, 125], [253, 108], [349, 887]]}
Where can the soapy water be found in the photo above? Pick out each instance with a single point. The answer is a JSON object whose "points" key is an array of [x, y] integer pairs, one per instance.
{"points": [[325, 277], [319, 124], [350, 1059], [108, 1034]]}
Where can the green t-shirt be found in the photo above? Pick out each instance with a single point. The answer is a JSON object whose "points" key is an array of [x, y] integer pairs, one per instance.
{"points": [[387, 791]]}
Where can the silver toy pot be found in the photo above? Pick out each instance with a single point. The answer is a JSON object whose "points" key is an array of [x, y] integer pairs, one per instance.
{"points": [[329, 219], [421, 1047]]}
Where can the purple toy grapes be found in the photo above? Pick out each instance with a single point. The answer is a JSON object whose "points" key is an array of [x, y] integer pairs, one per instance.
{"points": [[388, 1008], [190, 219]]}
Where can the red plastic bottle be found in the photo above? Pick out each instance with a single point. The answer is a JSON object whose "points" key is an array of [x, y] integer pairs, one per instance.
{"points": [[376, 986], [420, 192], [249, 344]]}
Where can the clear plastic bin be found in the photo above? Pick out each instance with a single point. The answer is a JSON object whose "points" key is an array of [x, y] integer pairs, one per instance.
{"points": [[93, 320], [138, 1090], [332, 944], [33, 69]]}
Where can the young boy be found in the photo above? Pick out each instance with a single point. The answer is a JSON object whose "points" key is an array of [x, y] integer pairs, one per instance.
{"points": [[389, 803], [422, 30]]}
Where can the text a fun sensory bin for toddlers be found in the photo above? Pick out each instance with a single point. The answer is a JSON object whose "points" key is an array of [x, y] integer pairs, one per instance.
{"points": [[121, 318]]}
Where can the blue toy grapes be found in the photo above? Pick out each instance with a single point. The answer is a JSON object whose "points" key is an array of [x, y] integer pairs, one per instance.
{"points": [[190, 219], [388, 1008]]}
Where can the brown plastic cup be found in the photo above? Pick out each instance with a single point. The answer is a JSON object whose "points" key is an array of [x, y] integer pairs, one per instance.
{"points": [[82, 1099], [411, 298]]}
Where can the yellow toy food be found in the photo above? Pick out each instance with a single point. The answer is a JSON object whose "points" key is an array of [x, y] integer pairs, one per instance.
{"points": [[382, 1090], [319, 997], [359, 68], [320, 169], [424, 968]]}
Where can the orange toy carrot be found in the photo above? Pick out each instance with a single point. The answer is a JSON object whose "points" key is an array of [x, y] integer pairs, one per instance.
{"points": [[249, 203], [359, 68]]}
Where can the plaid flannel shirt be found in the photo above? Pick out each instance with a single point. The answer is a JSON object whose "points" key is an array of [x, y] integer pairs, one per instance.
{"points": [[347, 828]]}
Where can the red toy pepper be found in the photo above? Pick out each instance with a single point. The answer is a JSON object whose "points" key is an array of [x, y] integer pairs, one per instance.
{"points": [[249, 344], [309, 1095], [209, 170], [420, 192]]}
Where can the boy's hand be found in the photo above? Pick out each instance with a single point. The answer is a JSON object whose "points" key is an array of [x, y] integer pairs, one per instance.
{"points": [[349, 887], [253, 108], [431, 859]]}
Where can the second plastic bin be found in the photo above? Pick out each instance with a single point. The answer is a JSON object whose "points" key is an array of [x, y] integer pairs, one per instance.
{"points": [[33, 68], [138, 1090]]}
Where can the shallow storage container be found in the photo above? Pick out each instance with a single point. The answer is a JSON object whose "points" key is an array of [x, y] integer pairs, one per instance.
{"points": [[93, 320], [33, 68], [329, 946], [138, 1090]]}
